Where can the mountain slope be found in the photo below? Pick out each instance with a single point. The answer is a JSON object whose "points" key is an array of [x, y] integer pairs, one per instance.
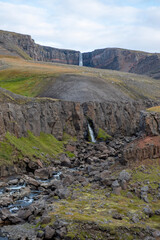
{"points": [[124, 60], [74, 83]]}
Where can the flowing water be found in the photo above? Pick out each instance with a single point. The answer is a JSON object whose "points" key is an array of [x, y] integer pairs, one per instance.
{"points": [[91, 133], [80, 59], [25, 201]]}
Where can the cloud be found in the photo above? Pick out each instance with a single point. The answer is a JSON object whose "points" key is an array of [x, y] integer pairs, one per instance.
{"points": [[85, 25]]}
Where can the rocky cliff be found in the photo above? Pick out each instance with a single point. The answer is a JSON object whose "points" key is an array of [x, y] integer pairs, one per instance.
{"points": [[148, 146], [24, 46], [108, 58], [124, 60], [19, 114]]}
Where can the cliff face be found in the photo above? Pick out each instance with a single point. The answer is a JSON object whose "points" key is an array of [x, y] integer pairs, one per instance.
{"points": [[124, 60], [24, 45], [108, 58], [57, 117], [148, 146]]}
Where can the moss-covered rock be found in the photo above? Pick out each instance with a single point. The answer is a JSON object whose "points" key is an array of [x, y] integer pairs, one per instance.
{"points": [[102, 135]]}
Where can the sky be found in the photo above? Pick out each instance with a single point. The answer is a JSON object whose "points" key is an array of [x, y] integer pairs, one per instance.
{"points": [[85, 25]]}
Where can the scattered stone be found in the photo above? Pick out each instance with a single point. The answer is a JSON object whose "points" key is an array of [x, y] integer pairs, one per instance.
{"points": [[157, 212], [42, 173], [124, 175], [135, 218], [148, 211], [129, 195], [65, 161], [117, 216], [45, 219], [123, 184], [156, 234], [49, 233], [13, 182], [144, 189], [115, 184], [117, 190]]}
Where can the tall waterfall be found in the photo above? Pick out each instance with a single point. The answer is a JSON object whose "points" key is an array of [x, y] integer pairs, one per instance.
{"points": [[80, 59], [91, 133]]}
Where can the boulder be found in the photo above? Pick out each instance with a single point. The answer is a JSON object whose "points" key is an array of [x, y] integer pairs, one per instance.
{"points": [[49, 233], [4, 214], [45, 219], [42, 173], [124, 175], [32, 181], [65, 161], [148, 211], [24, 214], [62, 193], [68, 180], [13, 182]]}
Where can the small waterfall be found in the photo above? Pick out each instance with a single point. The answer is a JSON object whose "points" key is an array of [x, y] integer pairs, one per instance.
{"points": [[91, 133], [80, 59]]}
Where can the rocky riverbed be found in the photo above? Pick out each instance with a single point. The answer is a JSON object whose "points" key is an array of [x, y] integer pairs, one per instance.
{"points": [[93, 195]]}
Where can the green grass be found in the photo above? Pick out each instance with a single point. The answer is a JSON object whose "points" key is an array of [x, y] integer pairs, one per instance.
{"points": [[27, 84], [6, 151], [29, 78], [149, 174], [93, 207], [102, 135], [44, 147]]}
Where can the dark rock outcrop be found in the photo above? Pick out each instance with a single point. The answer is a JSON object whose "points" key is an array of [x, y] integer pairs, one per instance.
{"points": [[124, 60], [150, 123], [24, 46], [147, 147], [55, 117]]}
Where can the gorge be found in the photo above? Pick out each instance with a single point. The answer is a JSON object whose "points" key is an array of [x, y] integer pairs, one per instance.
{"points": [[79, 146]]}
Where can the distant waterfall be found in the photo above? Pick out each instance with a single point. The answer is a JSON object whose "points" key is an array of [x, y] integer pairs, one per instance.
{"points": [[91, 133], [80, 59]]}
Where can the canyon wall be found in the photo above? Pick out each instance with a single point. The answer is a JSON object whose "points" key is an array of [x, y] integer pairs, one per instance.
{"points": [[108, 58], [148, 146], [124, 60], [24, 45], [56, 117]]}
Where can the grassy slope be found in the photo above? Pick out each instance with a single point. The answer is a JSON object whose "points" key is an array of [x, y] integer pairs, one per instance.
{"points": [[44, 147], [30, 78], [94, 206]]}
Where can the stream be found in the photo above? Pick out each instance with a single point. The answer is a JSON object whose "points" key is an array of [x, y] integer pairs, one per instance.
{"points": [[27, 200]]}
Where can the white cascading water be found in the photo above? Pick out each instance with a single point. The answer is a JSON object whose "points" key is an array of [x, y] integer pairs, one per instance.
{"points": [[91, 133], [80, 59]]}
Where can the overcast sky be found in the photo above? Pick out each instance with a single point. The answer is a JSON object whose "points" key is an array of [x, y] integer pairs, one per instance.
{"points": [[85, 25]]}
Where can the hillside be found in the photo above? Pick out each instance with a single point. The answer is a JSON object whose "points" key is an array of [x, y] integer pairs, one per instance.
{"points": [[73, 83], [124, 60]]}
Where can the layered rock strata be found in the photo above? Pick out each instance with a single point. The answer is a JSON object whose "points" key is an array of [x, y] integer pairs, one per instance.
{"points": [[147, 147], [55, 117], [124, 60], [19, 44]]}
